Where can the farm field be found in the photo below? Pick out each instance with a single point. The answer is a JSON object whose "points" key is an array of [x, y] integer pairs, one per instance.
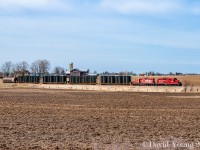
{"points": [[61, 119]]}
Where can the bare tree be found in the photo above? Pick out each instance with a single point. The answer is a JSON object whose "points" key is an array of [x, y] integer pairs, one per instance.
{"points": [[6, 68], [22, 67], [41, 67], [59, 70]]}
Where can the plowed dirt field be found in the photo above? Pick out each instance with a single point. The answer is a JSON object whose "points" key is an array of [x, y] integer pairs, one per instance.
{"points": [[61, 119]]}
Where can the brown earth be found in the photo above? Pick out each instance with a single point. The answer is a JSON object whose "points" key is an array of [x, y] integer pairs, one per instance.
{"points": [[61, 119]]}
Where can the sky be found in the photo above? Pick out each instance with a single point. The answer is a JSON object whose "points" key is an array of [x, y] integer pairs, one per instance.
{"points": [[103, 35]]}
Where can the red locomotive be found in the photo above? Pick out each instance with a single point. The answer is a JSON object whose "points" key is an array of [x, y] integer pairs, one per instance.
{"points": [[168, 81], [144, 81], [158, 82]]}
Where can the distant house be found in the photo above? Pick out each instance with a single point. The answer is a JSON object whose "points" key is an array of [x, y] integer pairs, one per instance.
{"points": [[77, 72]]}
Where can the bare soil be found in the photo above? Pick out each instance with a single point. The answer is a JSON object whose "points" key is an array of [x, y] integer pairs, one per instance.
{"points": [[61, 119]]}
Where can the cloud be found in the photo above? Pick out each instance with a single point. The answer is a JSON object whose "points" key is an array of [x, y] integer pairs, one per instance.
{"points": [[23, 3], [146, 7], [196, 10], [142, 6], [13, 5]]}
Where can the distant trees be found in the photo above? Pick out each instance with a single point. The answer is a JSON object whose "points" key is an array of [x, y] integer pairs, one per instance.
{"points": [[10, 69], [131, 73], [59, 70], [105, 73], [7, 68], [40, 67], [21, 68], [150, 73], [95, 72], [127, 73], [121, 73]]}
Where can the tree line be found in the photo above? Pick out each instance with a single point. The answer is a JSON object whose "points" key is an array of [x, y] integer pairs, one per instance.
{"points": [[40, 67]]}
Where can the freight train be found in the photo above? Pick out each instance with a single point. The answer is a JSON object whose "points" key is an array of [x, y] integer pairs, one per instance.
{"points": [[158, 82], [90, 80], [100, 80]]}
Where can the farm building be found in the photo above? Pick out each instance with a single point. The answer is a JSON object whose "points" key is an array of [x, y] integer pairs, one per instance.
{"points": [[77, 72]]}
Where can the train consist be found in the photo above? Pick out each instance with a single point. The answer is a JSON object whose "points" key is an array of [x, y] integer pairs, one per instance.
{"points": [[158, 82], [90, 80], [99, 80]]}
